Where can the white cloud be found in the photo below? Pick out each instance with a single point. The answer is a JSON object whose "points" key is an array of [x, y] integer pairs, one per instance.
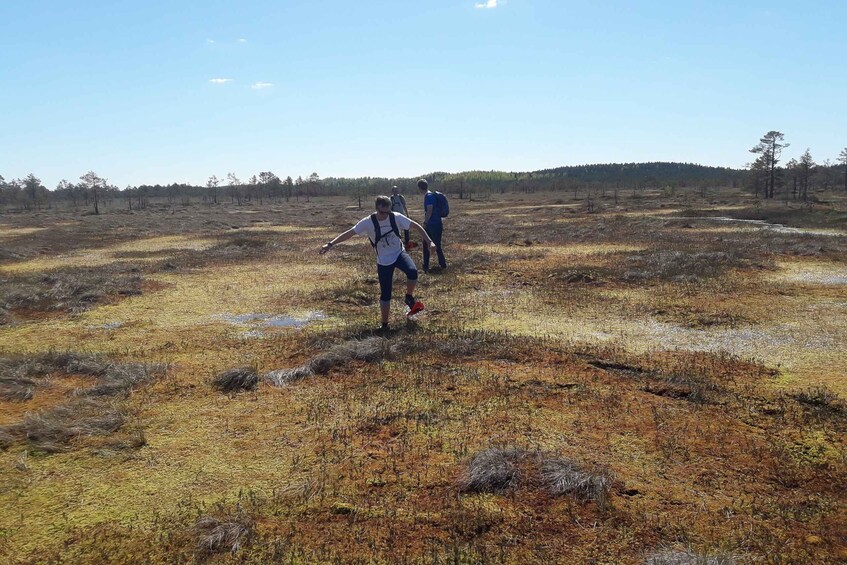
{"points": [[220, 80], [210, 41], [261, 85], [486, 4], [242, 40]]}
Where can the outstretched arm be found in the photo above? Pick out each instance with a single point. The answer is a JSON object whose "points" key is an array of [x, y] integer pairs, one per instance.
{"points": [[344, 236], [425, 236]]}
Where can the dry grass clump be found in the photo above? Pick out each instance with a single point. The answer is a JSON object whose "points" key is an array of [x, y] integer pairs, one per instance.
{"points": [[113, 379], [89, 412], [16, 389], [681, 266], [230, 534], [236, 379], [370, 350], [502, 468], [56, 429], [492, 470], [562, 476], [70, 290], [688, 557]]}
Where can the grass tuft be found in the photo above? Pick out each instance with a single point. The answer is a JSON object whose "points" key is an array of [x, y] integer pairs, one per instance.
{"points": [[492, 470], [236, 379], [16, 389], [370, 350], [564, 477], [55, 430], [214, 535]]}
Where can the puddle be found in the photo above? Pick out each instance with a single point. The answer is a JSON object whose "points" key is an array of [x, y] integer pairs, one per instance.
{"points": [[271, 320], [762, 224]]}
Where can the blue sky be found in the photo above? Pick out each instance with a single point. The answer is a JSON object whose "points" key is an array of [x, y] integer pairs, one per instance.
{"points": [[158, 92]]}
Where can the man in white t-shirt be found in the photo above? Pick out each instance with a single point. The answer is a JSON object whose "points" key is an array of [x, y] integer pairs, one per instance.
{"points": [[383, 229]]}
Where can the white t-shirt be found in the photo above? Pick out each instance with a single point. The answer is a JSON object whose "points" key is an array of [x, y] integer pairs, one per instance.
{"points": [[390, 246]]}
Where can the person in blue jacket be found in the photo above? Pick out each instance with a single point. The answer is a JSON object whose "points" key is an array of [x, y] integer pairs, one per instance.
{"points": [[432, 224]]}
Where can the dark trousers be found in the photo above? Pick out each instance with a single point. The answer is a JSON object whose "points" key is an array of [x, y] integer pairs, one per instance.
{"points": [[406, 236], [435, 231], [386, 275]]}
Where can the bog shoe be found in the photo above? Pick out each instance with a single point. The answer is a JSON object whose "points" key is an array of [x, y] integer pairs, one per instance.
{"points": [[416, 308]]}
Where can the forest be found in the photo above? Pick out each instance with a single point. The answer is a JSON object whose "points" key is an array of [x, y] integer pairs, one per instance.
{"points": [[767, 176]]}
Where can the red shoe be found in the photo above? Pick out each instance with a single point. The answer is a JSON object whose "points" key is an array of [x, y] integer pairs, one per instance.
{"points": [[416, 308], [411, 245]]}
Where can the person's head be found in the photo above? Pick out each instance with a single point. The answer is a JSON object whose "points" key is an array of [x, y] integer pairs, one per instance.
{"points": [[382, 205], [423, 185], [394, 190]]}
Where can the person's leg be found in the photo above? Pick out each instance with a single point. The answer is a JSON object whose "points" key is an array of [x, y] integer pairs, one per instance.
{"points": [[406, 237], [426, 251], [385, 274], [407, 265], [435, 234]]}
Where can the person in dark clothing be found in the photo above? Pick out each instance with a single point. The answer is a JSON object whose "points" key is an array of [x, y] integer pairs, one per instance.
{"points": [[432, 224]]}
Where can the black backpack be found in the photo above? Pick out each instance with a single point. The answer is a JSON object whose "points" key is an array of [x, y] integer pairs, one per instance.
{"points": [[443, 205], [378, 232]]}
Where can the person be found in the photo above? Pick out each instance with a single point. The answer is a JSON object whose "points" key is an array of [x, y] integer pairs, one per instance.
{"points": [[383, 229], [432, 225], [398, 204]]}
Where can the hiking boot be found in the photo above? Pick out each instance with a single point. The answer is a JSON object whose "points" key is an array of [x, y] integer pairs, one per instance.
{"points": [[416, 308], [409, 301]]}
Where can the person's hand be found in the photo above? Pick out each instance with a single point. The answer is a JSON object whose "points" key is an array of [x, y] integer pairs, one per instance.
{"points": [[432, 246], [326, 247]]}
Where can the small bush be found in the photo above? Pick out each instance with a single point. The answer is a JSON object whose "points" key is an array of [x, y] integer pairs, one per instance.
{"points": [[237, 379]]}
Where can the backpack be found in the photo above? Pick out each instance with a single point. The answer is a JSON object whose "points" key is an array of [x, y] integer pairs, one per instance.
{"points": [[443, 205], [378, 231]]}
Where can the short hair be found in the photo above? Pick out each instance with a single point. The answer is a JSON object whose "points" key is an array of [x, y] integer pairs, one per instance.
{"points": [[422, 184], [382, 201]]}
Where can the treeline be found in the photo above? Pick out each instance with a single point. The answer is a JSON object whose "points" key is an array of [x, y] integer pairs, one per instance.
{"points": [[797, 177], [765, 177]]}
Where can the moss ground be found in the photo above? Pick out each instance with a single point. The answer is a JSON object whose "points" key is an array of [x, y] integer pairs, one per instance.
{"points": [[600, 336]]}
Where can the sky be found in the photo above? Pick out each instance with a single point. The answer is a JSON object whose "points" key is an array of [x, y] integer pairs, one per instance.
{"points": [[146, 92]]}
